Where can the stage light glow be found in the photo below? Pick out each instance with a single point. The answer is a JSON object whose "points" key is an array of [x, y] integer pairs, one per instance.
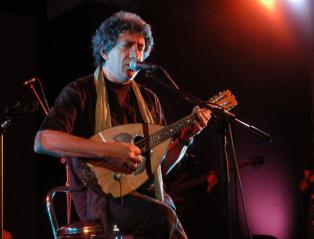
{"points": [[299, 5], [269, 4], [297, 1], [270, 211]]}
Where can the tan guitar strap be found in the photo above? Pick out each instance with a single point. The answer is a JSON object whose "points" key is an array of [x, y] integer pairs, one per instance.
{"points": [[103, 118]]}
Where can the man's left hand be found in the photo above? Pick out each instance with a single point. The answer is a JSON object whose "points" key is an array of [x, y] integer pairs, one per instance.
{"points": [[202, 117]]}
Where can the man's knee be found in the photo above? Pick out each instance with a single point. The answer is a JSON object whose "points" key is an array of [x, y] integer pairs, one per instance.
{"points": [[163, 216]]}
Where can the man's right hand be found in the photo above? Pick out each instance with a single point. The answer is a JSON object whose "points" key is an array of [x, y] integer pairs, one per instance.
{"points": [[120, 157], [125, 156]]}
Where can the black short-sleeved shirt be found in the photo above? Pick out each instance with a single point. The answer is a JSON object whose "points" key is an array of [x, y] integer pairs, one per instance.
{"points": [[74, 113]]}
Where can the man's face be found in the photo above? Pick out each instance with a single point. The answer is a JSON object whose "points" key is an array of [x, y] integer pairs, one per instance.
{"points": [[129, 46]]}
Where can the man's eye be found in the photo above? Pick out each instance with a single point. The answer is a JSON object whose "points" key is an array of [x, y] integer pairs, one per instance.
{"points": [[122, 44], [125, 44]]}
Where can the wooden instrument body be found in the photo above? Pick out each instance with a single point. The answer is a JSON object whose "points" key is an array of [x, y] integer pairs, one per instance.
{"points": [[107, 178]]}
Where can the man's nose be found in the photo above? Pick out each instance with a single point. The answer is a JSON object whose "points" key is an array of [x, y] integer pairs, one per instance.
{"points": [[135, 53]]}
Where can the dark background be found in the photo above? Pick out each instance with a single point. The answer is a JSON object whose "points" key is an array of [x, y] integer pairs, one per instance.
{"points": [[264, 57]]}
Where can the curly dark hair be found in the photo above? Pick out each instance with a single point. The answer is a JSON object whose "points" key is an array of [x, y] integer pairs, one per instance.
{"points": [[107, 33]]}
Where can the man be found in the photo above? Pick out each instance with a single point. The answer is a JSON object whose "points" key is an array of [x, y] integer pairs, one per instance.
{"points": [[109, 98]]}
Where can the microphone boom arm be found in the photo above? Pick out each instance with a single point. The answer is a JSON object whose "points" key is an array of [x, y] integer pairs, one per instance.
{"points": [[215, 109]]}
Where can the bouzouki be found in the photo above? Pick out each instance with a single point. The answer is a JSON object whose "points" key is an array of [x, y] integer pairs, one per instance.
{"points": [[153, 140]]}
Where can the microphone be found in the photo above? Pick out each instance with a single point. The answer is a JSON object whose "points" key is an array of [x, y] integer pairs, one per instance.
{"points": [[145, 66], [30, 81]]}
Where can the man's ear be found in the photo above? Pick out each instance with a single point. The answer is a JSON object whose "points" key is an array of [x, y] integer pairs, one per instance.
{"points": [[103, 54]]}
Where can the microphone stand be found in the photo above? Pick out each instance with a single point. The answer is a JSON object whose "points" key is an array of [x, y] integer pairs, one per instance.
{"points": [[227, 118], [44, 104], [1, 183], [3, 128], [45, 107], [12, 115]]}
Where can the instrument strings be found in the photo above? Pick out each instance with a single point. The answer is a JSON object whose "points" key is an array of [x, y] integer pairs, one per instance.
{"points": [[149, 142]]}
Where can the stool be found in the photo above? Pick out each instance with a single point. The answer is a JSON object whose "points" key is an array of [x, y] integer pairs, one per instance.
{"points": [[81, 229]]}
